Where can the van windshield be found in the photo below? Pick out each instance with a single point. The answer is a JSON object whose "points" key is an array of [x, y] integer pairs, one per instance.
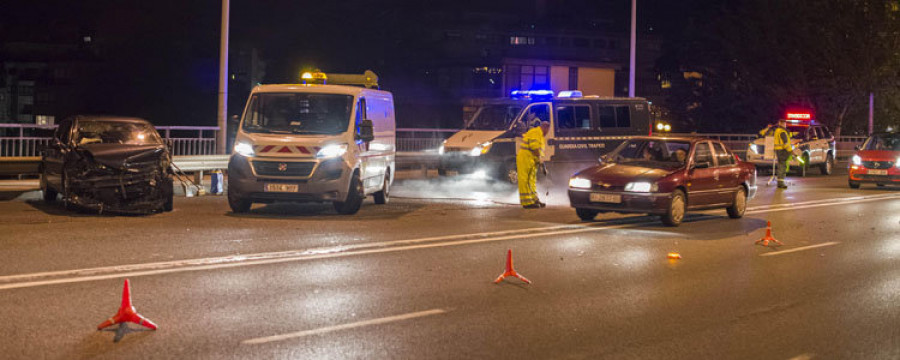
{"points": [[298, 113], [494, 117]]}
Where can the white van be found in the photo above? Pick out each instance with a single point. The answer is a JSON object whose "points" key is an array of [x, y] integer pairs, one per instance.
{"points": [[314, 143], [583, 128]]}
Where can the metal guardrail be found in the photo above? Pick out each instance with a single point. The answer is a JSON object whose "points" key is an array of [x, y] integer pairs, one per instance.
{"points": [[26, 143]]}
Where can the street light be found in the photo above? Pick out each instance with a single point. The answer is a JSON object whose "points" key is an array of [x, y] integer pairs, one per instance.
{"points": [[633, 44], [222, 135]]}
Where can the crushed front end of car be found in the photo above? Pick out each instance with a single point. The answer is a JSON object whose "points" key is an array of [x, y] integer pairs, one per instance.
{"points": [[122, 179]]}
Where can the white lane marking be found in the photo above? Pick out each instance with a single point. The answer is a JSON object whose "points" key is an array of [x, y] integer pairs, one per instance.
{"points": [[329, 329], [115, 272], [800, 206], [201, 264], [824, 201], [788, 251]]}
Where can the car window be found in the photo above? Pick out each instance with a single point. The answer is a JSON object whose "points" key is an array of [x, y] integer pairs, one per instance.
{"points": [[722, 155], [62, 132], [826, 134], [607, 117], [702, 154], [575, 117]]}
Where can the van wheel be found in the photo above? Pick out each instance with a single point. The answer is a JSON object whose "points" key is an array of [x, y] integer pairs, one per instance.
{"points": [[382, 197], [238, 204], [510, 173], [442, 171], [828, 166], [586, 214], [354, 198], [675, 213], [739, 205]]}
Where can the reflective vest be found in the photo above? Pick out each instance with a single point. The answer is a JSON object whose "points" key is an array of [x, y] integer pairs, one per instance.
{"points": [[534, 140], [782, 137]]}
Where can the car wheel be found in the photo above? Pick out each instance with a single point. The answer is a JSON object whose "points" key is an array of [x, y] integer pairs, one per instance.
{"points": [[238, 204], [879, 185], [48, 193], [66, 189], [739, 205], [168, 194], [586, 214], [354, 198], [828, 166], [675, 213], [853, 184], [382, 197]]}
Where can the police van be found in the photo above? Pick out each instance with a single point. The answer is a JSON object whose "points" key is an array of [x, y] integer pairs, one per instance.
{"points": [[814, 144], [315, 141], [583, 128]]}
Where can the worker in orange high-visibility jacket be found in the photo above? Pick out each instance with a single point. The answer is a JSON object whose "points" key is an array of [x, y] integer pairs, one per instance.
{"points": [[528, 160]]}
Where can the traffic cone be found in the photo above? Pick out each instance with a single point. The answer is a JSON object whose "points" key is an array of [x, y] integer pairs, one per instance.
{"points": [[766, 239], [510, 271], [127, 313]]}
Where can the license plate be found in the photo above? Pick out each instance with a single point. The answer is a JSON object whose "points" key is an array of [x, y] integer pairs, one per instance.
{"points": [[282, 188], [606, 198], [877, 172]]}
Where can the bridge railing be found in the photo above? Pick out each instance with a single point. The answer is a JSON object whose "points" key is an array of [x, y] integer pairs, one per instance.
{"points": [[25, 140]]}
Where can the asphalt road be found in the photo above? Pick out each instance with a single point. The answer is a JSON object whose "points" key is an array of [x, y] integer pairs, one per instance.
{"points": [[413, 279]]}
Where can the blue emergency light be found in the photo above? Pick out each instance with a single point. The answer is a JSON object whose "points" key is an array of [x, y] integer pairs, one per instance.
{"points": [[531, 94], [570, 94]]}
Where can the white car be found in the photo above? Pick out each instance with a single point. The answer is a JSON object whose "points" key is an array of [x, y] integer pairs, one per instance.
{"points": [[812, 141]]}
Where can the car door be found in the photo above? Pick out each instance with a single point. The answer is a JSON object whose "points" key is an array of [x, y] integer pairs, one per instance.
{"points": [[702, 178], [729, 173]]}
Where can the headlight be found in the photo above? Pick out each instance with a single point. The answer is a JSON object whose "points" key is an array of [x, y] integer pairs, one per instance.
{"points": [[641, 187], [579, 183], [754, 149], [480, 149], [333, 150], [243, 149], [897, 162], [856, 160]]}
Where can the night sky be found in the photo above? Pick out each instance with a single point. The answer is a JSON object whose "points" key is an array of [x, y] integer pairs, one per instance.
{"points": [[160, 58]]}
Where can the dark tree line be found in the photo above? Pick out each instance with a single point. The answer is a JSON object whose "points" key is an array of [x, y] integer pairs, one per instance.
{"points": [[751, 60]]}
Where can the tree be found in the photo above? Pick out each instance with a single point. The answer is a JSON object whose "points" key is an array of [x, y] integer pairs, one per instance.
{"points": [[760, 57]]}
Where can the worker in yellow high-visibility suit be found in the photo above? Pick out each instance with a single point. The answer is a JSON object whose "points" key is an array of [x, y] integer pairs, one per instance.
{"points": [[783, 149], [528, 159]]}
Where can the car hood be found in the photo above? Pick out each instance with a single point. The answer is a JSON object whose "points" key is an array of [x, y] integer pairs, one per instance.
{"points": [[119, 155], [878, 155], [467, 139], [621, 174]]}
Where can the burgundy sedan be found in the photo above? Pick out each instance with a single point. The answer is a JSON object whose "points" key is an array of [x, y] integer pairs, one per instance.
{"points": [[665, 177]]}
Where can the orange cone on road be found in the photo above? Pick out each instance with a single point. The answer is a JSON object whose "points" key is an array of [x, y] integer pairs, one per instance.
{"points": [[510, 271], [768, 238], [127, 313]]}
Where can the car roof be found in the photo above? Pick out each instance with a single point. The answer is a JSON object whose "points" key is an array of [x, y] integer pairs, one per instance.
{"points": [[315, 88], [111, 118], [690, 139]]}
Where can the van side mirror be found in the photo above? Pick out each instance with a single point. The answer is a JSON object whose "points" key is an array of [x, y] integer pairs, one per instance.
{"points": [[521, 128], [366, 131]]}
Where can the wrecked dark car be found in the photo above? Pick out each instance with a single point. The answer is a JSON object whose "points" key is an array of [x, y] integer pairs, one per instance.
{"points": [[105, 163]]}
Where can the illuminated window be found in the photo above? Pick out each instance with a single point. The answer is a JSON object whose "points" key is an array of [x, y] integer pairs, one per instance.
{"points": [[521, 40]]}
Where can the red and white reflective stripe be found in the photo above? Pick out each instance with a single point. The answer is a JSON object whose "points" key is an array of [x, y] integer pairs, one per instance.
{"points": [[286, 149]]}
